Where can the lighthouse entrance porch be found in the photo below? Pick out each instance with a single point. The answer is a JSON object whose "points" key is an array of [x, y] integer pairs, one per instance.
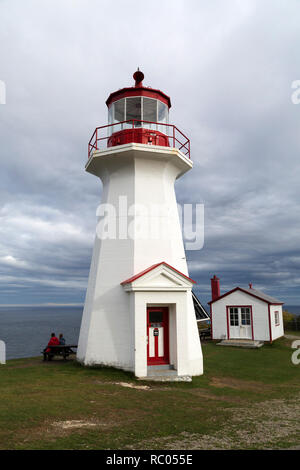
{"points": [[164, 328]]}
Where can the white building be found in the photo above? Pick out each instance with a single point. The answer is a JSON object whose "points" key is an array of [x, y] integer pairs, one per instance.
{"points": [[245, 313], [139, 313]]}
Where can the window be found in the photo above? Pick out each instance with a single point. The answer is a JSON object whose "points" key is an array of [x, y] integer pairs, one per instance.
{"points": [[155, 317], [277, 320], [110, 119], [149, 109], [140, 108], [245, 316], [119, 114], [234, 316], [134, 110], [162, 116], [116, 113], [149, 112], [110, 114], [240, 316], [162, 112]]}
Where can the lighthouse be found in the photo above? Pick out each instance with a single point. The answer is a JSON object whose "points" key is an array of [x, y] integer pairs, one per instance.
{"points": [[139, 313]]}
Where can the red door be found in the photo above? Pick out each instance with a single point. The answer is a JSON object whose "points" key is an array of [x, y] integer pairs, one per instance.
{"points": [[158, 335]]}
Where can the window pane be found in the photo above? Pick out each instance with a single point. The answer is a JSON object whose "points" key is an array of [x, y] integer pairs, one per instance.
{"points": [[110, 119], [162, 112], [155, 317], [234, 319], [246, 319], [149, 112], [133, 110], [110, 114], [149, 109], [119, 111]]}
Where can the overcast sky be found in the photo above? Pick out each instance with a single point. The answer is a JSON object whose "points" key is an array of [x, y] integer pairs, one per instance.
{"points": [[228, 66]]}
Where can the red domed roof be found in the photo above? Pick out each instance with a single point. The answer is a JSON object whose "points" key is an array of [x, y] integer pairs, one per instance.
{"points": [[138, 90]]}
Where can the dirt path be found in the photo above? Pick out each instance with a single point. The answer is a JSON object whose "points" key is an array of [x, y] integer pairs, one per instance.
{"points": [[292, 337], [266, 425]]}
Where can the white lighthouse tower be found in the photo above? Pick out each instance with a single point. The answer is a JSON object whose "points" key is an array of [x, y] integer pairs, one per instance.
{"points": [[139, 313]]}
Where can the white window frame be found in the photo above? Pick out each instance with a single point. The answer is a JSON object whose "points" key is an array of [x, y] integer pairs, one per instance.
{"points": [[142, 108], [237, 312], [277, 318]]}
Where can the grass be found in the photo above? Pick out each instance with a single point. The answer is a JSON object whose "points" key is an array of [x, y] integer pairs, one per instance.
{"points": [[246, 399]]}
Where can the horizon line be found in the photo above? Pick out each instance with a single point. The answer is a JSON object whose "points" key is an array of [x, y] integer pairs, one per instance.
{"points": [[48, 304]]}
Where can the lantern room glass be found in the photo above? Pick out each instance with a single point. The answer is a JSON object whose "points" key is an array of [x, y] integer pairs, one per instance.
{"points": [[133, 110], [138, 108], [149, 112]]}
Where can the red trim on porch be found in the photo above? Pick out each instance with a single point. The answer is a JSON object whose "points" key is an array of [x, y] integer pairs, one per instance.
{"points": [[136, 276]]}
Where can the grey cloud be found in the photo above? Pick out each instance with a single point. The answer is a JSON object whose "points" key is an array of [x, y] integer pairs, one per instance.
{"points": [[228, 67]]}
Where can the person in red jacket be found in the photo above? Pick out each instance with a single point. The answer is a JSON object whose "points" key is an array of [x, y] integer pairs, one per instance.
{"points": [[54, 341]]}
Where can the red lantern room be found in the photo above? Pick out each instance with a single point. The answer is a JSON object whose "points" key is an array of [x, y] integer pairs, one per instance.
{"points": [[139, 114]]}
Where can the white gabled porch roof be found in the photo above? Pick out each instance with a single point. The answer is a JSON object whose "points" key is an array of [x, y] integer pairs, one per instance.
{"points": [[159, 277]]}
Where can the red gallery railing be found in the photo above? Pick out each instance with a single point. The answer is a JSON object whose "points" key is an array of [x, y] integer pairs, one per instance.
{"points": [[166, 134]]}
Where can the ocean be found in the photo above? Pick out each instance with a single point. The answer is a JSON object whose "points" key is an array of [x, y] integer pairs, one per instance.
{"points": [[26, 330]]}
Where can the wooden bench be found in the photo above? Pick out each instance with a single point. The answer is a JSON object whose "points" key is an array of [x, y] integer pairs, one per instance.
{"points": [[61, 350], [205, 333]]}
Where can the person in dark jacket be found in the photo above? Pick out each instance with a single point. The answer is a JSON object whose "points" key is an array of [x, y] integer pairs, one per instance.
{"points": [[62, 340]]}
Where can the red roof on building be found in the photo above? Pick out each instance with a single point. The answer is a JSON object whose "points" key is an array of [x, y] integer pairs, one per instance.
{"points": [[138, 90], [254, 292], [142, 91], [136, 276]]}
